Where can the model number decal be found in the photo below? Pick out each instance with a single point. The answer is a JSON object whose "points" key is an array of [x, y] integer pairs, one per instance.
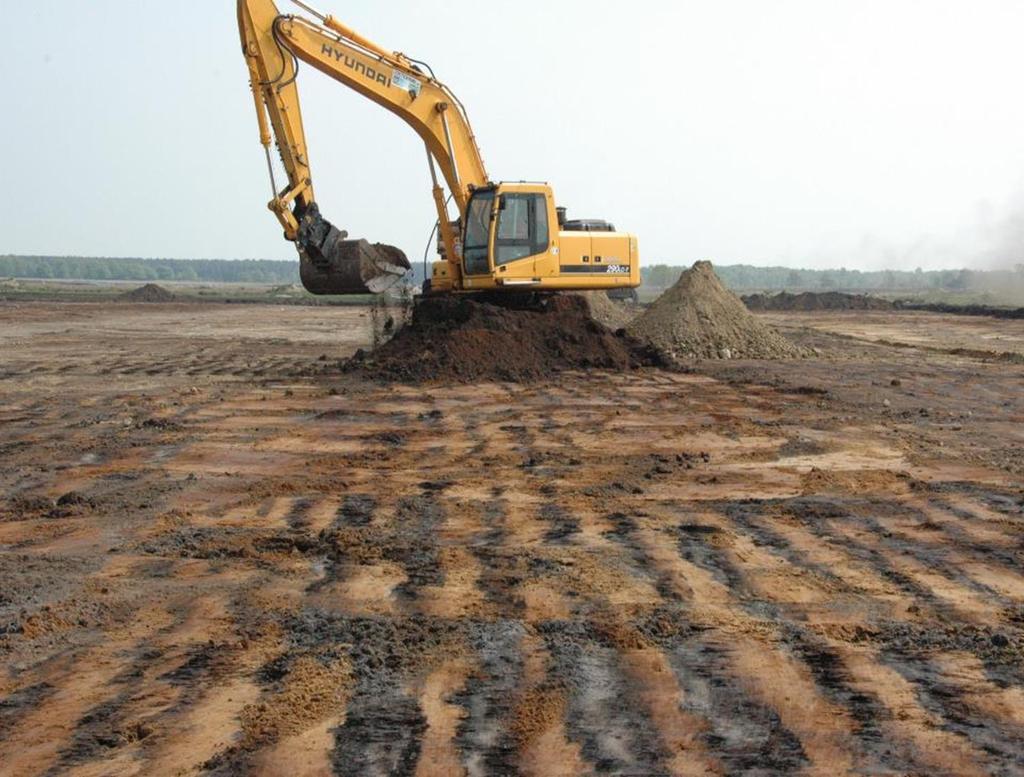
{"points": [[408, 83], [618, 268]]}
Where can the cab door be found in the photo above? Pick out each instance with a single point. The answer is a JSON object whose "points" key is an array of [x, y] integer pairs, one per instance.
{"points": [[522, 235]]}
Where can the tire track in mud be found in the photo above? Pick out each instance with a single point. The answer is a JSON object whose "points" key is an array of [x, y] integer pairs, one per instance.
{"points": [[624, 531], [764, 644], [384, 723], [950, 593], [608, 676], [502, 568], [720, 674], [589, 719], [484, 737], [497, 726], [16, 705], [415, 547], [541, 467], [602, 659], [58, 730], [676, 636], [944, 556], [603, 714], [836, 680], [624, 654], [829, 522], [102, 730], [160, 680], [744, 733], [946, 701], [980, 535], [752, 520]]}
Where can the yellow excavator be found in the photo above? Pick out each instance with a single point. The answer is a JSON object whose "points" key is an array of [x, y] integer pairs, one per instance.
{"points": [[506, 237]]}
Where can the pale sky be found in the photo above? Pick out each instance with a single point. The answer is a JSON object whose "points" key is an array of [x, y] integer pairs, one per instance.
{"points": [[809, 133]]}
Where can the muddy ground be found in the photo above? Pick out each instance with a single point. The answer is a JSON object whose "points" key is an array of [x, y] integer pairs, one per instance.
{"points": [[217, 557]]}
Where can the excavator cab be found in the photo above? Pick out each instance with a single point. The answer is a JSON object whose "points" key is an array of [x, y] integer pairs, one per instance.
{"points": [[514, 237]]}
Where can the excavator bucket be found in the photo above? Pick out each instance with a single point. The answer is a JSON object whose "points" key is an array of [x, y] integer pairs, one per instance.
{"points": [[331, 264]]}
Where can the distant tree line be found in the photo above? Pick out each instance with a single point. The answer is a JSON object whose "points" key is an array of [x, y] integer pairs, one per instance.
{"points": [[743, 277], [740, 277], [189, 270]]}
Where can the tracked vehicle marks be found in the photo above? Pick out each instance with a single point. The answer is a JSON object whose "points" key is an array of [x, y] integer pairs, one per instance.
{"points": [[546, 579], [604, 714]]}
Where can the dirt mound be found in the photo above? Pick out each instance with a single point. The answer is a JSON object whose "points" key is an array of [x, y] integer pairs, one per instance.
{"points": [[614, 315], [148, 293], [809, 300], [506, 338], [699, 318]]}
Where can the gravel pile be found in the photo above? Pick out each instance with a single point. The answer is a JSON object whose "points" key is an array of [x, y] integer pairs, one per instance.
{"points": [[699, 318]]}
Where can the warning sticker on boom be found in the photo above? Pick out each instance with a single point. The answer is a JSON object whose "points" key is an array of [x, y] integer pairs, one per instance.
{"points": [[408, 83]]}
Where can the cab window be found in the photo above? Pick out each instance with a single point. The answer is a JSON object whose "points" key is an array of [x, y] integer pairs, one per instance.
{"points": [[478, 223], [522, 228]]}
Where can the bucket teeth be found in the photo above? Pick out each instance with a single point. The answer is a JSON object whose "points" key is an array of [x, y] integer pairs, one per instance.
{"points": [[330, 264]]}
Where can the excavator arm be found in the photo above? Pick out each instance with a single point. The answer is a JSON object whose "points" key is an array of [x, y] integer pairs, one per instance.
{"points": [[274, 46]]}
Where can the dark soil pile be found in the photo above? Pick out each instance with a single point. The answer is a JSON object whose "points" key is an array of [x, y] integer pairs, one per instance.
{"points": [[148, 293], [699, 318], [1016, 314], [809, 300], [500, 338]]}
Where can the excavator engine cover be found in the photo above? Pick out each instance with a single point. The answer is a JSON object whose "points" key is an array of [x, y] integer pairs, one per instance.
{"points": [[330, 264]]}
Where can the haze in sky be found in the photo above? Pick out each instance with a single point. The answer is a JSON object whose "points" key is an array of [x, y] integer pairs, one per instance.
{"points": [[809, 133]]}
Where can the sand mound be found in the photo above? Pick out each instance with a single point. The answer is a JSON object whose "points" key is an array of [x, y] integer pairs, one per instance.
{"points": [[614, 315], [808, 300], [148, 293], [699, 318], [506, 338]]}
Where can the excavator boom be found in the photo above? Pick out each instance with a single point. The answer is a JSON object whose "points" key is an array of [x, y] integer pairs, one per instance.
{"points": [[274, 45]]}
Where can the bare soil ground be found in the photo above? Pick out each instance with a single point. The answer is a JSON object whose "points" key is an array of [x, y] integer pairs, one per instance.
{"points": [[981, 335], [216, 558]]}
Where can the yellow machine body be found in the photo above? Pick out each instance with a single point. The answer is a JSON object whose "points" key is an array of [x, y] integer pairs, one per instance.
{"points": [[505, 236], [512, 240]]}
